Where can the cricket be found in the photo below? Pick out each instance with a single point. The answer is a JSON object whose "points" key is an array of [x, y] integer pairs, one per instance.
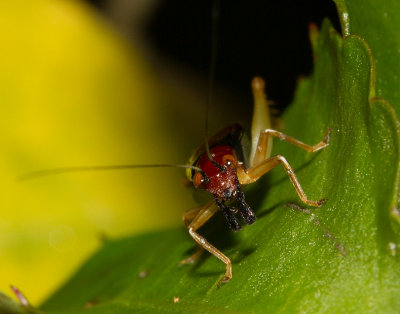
{"points": [[217, 167], [222, 166]]}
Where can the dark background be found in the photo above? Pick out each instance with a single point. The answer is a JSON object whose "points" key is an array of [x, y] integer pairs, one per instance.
{"points": [[266, 38]]}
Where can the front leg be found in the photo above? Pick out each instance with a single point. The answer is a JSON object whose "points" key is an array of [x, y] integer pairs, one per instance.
{"points": [[214, 251], [247, 176], [187, 219], [200, 214], [201, 218]]}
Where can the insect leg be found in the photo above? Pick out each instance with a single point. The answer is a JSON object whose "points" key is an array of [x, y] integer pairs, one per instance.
{"points": [[190, 214], [204, 214], [263, 141], [192, 258], [198, 216], [254, 173], [261, 117], [202, 217], [187, 219]]}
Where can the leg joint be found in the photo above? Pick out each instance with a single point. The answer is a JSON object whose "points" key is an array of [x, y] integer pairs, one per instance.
{"points": [[275, 133], [267, 131], [281, 158]]}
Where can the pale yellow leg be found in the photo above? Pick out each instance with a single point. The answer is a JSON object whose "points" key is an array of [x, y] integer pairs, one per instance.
{"points": [[254, 173], [190, 214], [192, 258], [262, 151], [261, 116], [204, 214], [261, 143], [187, 219], [214, 251]]}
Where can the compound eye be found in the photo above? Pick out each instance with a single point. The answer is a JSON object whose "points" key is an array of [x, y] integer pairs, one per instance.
{"points": [[229, 161], [198, 179]]}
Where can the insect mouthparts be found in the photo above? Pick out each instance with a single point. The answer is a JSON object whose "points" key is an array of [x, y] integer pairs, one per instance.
{"points": [[228, 193], [246, 212]]}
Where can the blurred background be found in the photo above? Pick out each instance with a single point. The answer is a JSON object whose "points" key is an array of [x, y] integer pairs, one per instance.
{"points": [[114, 82]]}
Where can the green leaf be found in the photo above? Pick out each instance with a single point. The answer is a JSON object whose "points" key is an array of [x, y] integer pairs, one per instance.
{"points": [[340, 257], [378, 23], [10, 306]]}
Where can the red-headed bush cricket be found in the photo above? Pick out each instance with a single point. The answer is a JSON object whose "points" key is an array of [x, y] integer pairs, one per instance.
{"points": [[220, 167]]}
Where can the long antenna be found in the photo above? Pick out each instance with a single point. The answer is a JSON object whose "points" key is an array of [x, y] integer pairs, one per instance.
{"points": [[54, 171], [211, 81], [211, 75]]}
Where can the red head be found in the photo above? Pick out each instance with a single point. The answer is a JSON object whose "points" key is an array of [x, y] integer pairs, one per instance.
{"points": [[218, 176]]}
